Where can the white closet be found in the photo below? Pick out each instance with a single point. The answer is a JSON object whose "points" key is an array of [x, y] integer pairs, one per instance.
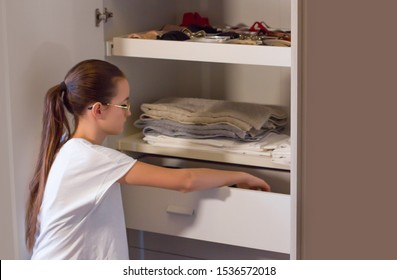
{"points": [[256, 74]]}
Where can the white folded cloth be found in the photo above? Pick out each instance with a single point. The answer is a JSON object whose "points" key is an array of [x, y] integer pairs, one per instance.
{"points": [[282, 153], [260, 148]]}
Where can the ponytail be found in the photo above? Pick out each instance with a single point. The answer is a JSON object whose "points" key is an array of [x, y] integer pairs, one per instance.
{"points": [[56, 131]]}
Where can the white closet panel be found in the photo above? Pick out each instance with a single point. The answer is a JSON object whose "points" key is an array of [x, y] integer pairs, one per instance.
{"points": [[43, 39]]}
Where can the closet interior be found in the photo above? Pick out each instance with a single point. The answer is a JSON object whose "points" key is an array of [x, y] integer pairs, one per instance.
{"points": [[256, 74]]}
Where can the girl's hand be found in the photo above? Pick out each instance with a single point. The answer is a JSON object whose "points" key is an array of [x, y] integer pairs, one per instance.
{"points": [[255, 183]]}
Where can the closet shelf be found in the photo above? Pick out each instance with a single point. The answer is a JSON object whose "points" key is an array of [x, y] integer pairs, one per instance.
{"points": [[135, 143], [204, 52]]}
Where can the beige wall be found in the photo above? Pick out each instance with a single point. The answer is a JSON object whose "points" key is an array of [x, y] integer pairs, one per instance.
{"points": [[348, 173]]}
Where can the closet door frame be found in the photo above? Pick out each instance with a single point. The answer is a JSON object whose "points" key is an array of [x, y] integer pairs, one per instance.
{"points": [[296, 20]]}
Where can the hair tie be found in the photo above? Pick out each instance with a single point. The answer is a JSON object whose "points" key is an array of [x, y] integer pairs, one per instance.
{"points": [[64, 91], [63, 86]]}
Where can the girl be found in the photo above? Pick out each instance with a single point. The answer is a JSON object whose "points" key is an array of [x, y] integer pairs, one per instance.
{"points": [[74, 208]]}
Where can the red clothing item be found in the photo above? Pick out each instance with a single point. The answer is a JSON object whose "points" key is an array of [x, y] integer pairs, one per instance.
{"points": [[194, 18]]}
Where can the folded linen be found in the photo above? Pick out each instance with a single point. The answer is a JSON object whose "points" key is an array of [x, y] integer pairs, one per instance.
{"points": [[200, 131], [282, 153], [205, 111], [261, 148], [274, 140], [197, 146]]}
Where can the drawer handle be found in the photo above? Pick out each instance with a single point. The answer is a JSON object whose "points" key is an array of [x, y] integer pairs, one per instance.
{"points": [[180, 210]]}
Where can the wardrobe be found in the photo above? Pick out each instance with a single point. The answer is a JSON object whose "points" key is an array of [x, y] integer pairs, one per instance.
{"points": [[255, 74], [335, 200]]}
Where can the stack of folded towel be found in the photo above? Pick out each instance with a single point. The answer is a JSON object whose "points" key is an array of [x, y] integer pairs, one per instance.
{"points": [[213, 124]]}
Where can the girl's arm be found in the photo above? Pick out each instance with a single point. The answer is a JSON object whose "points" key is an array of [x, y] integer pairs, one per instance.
{"points": [[189, 179]]}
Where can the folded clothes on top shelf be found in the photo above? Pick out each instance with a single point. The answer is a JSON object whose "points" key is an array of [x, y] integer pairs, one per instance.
{"points": [[197, 28], [190, 18], [245, 116], [177, 33]]}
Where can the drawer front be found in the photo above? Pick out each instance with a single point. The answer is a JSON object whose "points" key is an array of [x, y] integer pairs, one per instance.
{"points": [[226, 215]]}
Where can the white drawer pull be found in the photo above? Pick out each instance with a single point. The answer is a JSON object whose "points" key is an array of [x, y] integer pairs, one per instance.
{"points": [[181, 210]]}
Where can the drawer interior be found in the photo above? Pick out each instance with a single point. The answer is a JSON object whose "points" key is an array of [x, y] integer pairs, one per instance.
{"points": [[279, 180]]}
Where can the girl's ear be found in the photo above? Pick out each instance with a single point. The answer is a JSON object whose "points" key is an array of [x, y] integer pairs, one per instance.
{"points": [[97, 110]]}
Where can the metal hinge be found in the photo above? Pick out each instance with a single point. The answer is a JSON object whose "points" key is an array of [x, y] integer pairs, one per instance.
{"points": [[102, 16]]}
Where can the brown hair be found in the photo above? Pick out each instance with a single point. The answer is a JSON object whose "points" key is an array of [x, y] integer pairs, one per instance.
{"points": [[87, 82]]}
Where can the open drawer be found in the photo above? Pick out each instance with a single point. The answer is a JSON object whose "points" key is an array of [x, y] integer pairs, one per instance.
{"points": [[226, 215]]}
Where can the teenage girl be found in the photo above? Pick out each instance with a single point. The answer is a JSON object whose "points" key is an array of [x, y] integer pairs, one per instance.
{"points": [[74, 208]]}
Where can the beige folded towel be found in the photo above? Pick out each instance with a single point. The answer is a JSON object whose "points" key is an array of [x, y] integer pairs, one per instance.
{"points": [[205, 111]]}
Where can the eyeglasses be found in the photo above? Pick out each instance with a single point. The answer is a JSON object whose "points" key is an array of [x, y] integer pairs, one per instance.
{"points": [[126, 107]]}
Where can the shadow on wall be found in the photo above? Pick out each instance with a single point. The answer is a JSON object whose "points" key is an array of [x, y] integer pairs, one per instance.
{"points": [[46, 68]]}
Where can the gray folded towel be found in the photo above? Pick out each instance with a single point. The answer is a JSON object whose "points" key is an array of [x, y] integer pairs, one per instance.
{"points": [[200, 131], [207, 111]]}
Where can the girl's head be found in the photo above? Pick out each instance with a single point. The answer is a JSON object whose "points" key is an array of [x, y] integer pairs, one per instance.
{"points": [[88, 82], [92, 88]]}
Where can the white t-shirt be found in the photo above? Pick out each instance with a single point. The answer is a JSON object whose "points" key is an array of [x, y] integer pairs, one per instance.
{"points": [[81, 216]]}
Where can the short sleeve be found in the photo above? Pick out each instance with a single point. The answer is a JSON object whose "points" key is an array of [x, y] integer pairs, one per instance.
{"points": [[83, 172], [113, 165]]}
